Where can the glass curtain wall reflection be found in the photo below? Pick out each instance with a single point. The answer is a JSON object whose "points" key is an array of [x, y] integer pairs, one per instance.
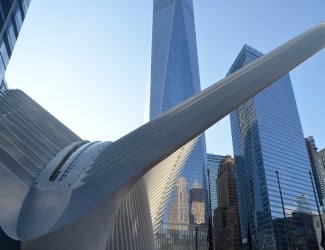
{"points": [[174, 78], [272, 163], [213, 166]]}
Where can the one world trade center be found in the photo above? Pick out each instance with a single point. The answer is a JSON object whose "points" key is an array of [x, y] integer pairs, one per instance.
{"points": [[181, 178]]}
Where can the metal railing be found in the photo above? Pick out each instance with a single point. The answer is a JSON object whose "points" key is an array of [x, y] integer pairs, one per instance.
{"points": [[182, 236]]}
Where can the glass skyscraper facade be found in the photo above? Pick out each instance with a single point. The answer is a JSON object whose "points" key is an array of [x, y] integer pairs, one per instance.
{"points": [[272, 162], [12, 14], [174, 78], [213, 166]]}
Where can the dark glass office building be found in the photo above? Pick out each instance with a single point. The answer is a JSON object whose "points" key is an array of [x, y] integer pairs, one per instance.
{"points": [[213, 166], [174, 78], [12, 14], [271, 159]]}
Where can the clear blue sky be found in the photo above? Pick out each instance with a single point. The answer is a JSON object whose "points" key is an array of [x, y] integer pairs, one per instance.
{"points": [[88, 62]]}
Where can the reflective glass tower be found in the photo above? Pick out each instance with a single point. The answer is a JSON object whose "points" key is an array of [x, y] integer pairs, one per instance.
{"points": [[271, 159], [174, 78], [213, 166], [12, 14]]}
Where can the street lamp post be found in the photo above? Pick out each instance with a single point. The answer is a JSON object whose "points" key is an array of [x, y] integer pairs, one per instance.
{"points": [[283, 211]]}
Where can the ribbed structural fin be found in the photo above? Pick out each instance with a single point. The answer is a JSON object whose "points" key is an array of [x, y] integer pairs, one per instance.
{"points": [[116, 153], [29, 135], [161, 180], [132, 229]]}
